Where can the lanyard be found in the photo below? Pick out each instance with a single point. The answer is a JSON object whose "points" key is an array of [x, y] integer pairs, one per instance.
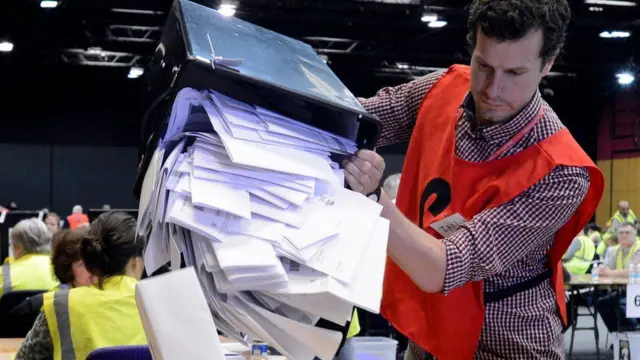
{"points": [[517, 137]]}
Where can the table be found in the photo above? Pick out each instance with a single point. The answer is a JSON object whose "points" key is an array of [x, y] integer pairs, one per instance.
{"points": [[580, 282], [9, 347]]}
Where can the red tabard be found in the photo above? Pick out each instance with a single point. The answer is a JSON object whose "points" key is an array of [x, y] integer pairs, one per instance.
{"points": [[448, 326], [76, 220]]}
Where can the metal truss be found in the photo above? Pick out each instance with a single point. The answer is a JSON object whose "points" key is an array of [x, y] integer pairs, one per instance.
{"points": [[99, 57], [328, 45], [132, 33]]}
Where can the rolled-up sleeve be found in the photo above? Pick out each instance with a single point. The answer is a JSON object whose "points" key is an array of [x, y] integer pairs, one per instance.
{"points": [[496, 238], [397, 107]]}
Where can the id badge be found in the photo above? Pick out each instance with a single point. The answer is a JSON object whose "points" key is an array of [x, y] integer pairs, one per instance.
{"points": [[449, 225]]}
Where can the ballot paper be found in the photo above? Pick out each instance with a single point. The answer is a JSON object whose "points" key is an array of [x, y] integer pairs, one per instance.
{"points": [[257, 206]]}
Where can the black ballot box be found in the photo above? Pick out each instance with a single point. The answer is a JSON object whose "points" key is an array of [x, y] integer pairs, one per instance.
{"points": [[201, 49]]}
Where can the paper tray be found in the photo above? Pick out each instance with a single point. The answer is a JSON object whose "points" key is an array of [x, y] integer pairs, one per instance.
{"points": [[278, 73]]}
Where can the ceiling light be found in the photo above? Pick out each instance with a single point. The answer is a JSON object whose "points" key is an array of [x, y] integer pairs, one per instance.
{"points": [[227, 10], [428, 17], [6, 46], [437, 24], [625, 78], [135, 72], [595, 8], [402, 65], [615, 34], [610, 2], [48, 4]]}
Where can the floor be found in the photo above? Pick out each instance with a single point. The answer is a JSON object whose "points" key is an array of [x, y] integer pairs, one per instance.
{"points": [[584, 341]]}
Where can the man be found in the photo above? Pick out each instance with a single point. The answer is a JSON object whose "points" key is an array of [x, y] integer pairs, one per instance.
{"points": [[493, 190], [52, 220], [77, 218], [624, 214], [391, 185], [617, 265], [581, 252]]}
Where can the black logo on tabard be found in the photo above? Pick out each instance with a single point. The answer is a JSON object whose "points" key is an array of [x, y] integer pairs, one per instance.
{"points": [[442, 190]]}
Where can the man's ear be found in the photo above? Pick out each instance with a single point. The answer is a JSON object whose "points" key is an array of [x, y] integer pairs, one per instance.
{"points": [[547, 67]]}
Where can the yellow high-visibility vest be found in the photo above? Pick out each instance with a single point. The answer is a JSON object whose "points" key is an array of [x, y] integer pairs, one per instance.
{"points": [[354, 327], [29, 272], [84, 319], [622, 262], [631, 218], [579, 263]]}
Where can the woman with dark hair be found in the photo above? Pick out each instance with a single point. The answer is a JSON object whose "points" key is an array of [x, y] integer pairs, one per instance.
{"points": [[77, 321]]}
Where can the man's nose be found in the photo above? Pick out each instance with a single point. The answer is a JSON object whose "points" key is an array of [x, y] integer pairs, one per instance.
{"points": [[492, 85]]}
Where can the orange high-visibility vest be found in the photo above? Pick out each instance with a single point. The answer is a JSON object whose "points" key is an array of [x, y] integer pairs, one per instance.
{"points": [[436, 184], [76, 220]]}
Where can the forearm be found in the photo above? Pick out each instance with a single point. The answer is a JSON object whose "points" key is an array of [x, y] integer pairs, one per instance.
{"points": [[421, 256]]}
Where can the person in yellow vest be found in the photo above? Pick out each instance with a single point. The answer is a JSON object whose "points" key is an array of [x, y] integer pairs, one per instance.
{"points": [[617, 265], [354, 326], [31, 267], [623, 215], [75, 322], [68, 268], [581, 252], [609, 240]]}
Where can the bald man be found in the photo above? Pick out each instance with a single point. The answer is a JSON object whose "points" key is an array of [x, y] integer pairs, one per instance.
{"points": [[623, 215]]}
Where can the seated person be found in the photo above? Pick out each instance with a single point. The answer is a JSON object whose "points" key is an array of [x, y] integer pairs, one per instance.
{"points": [[609, 240], [31, 269], [68, 267], [617, 265], [52, 220], [577, 260], [100, 315]]}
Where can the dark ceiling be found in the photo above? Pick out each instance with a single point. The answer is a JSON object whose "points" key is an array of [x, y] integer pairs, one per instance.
{"points": [[368, 43]]}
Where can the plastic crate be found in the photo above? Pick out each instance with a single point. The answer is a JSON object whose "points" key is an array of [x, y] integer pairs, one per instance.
{"points": [[369, 348]]}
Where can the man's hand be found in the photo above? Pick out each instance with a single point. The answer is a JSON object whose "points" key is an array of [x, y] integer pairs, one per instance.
{"points": [[363, 171], [604, 271]]}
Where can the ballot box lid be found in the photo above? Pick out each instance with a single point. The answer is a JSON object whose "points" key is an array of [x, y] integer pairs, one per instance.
{"points": [[266, 55], [201, 49]]}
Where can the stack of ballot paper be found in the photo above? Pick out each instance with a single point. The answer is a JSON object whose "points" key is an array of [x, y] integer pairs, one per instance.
{"points": [[257, 206]]}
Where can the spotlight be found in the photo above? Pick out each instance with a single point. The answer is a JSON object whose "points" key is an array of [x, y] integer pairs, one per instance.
{"points": [[437, 24], [227, 9], [48, 4], [615, 34], [135, 72], [6, 46], [429, 17], [625, 78]]}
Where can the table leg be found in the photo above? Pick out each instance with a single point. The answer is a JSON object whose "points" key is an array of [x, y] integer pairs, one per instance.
{"points": [[596, 294], [574, 320]]}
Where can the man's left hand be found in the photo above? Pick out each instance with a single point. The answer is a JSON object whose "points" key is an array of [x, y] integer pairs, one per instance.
{"points": [[363, 171]]}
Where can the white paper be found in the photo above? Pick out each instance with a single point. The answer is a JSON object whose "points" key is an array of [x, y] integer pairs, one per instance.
{"points": [[176, 317]]}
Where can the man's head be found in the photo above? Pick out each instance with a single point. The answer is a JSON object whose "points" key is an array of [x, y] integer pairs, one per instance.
{"points": [[77, 209], [52, 220], [391, 184], [514, 44], [627, 235], [623, 207]]}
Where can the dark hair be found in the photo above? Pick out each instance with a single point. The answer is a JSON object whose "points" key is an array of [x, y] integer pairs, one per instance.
{"points": [[591, 227], [507, 20], [66, 248], [109, 244]]}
